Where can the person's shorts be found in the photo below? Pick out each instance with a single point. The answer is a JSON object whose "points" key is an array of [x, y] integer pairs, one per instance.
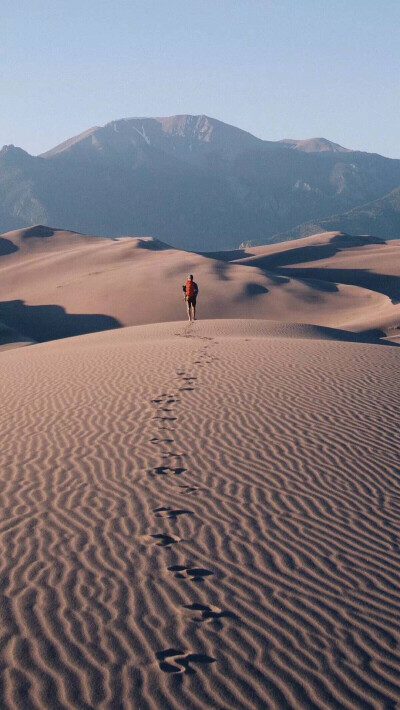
{"points": [[191, 301]]}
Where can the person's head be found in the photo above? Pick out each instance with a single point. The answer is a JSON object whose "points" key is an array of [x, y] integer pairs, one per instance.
{"points": [[190, 277]]}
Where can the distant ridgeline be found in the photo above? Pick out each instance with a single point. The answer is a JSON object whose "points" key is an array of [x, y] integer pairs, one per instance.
{"points": [[198, 183]]}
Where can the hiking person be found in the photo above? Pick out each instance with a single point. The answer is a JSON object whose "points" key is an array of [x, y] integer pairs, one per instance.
{"points": [[190, 291]]}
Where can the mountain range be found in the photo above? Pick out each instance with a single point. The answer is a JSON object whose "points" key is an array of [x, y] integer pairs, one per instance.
{"points": [[199, 184]]}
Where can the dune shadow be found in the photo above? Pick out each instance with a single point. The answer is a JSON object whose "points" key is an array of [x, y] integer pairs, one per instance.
{"points": [[372, 336], [381, 283], [227, 255], [38, 231], [342, 240], [51, 322], [319, 285], [152, 245], [314, 252], [7, 247], [9, 336], [276, 279], [254, 289], [221, 269]]}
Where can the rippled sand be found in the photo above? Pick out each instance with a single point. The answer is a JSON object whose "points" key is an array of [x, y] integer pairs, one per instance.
{"points": [[200, 516]]}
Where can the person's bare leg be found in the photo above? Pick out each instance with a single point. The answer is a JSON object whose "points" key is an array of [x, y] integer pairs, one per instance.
{"points": [[194, 312], [188, 310]]}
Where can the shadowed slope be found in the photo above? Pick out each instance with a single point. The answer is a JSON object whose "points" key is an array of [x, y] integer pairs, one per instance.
{"points": [[51, 322], [10, 338], [7, 247]]}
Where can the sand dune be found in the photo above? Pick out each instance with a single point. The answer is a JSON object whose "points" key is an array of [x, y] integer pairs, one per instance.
{"points": [[57, 284], [332, 257], [200, 516]]}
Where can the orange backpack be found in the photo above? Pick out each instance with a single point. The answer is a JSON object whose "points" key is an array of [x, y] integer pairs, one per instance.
{"points": [[189, 288]]}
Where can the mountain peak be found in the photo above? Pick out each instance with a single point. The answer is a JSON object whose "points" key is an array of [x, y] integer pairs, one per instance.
{"points": [[203, 128], [185, 136], [12, 155], [10, 149]]}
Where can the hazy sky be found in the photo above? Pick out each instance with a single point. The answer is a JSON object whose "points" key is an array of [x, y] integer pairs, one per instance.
{"points": [[277, 68]]}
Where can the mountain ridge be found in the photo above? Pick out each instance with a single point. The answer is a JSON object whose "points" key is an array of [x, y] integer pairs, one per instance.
{"points": [[200, 127], [316, 145], [192, 181]]}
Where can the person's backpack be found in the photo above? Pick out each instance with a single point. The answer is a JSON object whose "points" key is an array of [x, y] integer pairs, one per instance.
{"points": [[189, 288]]}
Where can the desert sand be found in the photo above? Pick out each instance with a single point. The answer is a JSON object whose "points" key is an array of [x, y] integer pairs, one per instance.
{"points": [[340, 259], [200, 516], [57, 284], [206, 515]]}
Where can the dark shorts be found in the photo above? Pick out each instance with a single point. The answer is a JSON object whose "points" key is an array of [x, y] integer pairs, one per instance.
{"points": [[191, 301]]}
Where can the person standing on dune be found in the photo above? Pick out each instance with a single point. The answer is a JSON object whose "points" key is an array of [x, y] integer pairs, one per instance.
{"points": [[190, 291]]}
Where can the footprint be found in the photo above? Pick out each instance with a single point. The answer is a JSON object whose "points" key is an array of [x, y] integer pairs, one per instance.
{"points": [[179, 661], [208, 613], [194, 574], [170, 513], [155, 440], [188, 490], [165, 470], [166, 419], [186, 389], [164, 540]]}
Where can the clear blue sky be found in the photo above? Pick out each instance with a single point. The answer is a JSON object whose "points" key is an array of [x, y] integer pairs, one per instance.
{"points": [[277, 68]]}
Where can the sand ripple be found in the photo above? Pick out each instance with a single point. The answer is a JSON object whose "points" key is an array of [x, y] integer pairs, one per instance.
{"points": [[200, 520]]}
